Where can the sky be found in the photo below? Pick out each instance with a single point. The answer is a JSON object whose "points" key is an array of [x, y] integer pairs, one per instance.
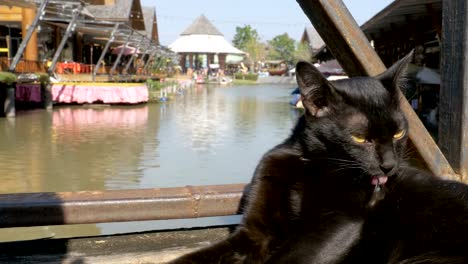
{"points": [[269, 18]]}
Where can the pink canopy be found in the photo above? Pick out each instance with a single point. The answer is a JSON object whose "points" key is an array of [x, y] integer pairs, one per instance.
{"points": [[127, 50]]}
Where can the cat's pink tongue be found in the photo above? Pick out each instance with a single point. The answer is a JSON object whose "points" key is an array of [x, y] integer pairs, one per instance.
{"points": [[379, 180]]}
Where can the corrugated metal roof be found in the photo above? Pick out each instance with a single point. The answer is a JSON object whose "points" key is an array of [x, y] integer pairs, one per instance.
{"points": [[19, 3], [400, 13], [119, 11], [396, 15], [201, 26]]}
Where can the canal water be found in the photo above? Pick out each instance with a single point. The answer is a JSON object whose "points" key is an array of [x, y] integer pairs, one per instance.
{"points": [[206, 135]]}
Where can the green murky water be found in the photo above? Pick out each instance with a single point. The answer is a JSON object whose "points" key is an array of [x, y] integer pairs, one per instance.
{"points": [[208, 135]]}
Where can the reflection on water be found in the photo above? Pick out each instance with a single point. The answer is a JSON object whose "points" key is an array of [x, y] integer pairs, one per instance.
{"points": [[217, 135], [209, 135], [72, 149]]}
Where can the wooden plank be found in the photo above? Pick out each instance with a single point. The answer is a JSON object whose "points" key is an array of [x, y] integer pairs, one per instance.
{"points": [[11, 17], [453, 110], [149, 247], [351, 48], [10, 13], [10, 10]]}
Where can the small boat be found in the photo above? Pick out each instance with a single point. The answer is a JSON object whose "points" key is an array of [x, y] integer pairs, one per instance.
{"points": [[225, 80], [200, 80], [277, 67], [278, 72]]}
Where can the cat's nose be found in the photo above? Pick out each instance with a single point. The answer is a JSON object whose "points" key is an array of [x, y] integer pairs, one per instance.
{"points": [[388, 166]]}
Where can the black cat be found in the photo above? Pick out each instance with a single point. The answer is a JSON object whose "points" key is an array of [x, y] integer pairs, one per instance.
{"points": [[338, 189]]}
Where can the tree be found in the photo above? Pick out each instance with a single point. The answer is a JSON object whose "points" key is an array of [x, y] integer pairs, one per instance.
{"points": [[243, 36], [256, 52], [303, 52], [282, 47]]}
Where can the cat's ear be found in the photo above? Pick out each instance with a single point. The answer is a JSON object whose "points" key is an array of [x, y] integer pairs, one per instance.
{"points": [[316, 91], [394, 77]]}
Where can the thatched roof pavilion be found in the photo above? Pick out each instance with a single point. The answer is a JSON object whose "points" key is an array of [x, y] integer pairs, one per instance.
{"points": [[202, 38]]}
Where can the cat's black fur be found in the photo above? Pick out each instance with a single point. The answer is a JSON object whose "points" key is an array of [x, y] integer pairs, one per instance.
{"points": [[315, 198]]}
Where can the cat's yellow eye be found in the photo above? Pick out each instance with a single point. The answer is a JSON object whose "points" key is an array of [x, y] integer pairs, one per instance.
{"points": [[399, 134], [358, 139]]}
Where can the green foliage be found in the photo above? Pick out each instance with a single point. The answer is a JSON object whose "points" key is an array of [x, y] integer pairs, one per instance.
{"points": [[42, 77], [164, 63], [7, 78], [243, 36], [282, 47], [154, 85], [243, 82], [256, 51], [159, 64], [246, 76], [302, 53]]}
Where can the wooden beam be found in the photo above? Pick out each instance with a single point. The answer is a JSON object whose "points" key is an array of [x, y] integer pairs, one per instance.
{"points": [[31, 52], [350, 47], [18, 3], [11, 17], [11, 14], [453, 108], [10, 10]]}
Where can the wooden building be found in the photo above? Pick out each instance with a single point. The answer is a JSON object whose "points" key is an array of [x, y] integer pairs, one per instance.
{"points": [[405, 25], [400, 27], [85, 44], [14, 20]]}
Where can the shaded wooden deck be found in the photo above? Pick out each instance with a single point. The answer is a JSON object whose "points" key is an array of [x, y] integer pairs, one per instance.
{"points": [[151, 247]]}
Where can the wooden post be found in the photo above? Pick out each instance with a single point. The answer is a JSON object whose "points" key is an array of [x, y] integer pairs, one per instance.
{"points": [[26, 37], [453, 108], [191, 61], [31, 48], [182, 61], [222, 62], [210, 58], [48, 102], [9, 104], [351, 48]]}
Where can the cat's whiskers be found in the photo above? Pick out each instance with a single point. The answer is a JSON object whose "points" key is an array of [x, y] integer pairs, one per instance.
{"points": [[344, 164], [342, 161], [408, 153], [347, 166]]}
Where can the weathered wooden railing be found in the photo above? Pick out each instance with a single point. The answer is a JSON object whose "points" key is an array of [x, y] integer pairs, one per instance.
{"points": [[38, 209], [27, 66], [24, 66]]}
